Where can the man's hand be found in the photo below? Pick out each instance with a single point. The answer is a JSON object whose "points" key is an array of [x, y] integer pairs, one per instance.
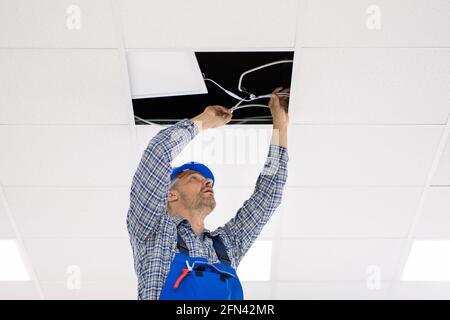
{"points": [[279, 106], [213, 117]]}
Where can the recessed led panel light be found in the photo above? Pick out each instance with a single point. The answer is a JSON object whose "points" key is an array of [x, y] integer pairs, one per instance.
{"points": [[12, 267], [429, 260], [160, 74]]}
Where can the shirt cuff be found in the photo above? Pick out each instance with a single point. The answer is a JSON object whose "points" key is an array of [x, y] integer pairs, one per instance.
{"points": [[189, 125], [279, 152]]}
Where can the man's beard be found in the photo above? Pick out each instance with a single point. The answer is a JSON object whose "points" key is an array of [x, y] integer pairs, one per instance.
{"points": [[202, 200]]}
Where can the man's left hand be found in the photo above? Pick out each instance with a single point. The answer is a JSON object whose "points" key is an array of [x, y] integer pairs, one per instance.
{"points": [[279, 106]]}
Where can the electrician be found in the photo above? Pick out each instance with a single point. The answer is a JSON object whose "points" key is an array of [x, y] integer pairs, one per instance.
{"points": [[175, 257]]}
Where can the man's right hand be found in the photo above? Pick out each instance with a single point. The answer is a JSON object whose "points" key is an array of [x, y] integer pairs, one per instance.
{"points": [[213, 117]]}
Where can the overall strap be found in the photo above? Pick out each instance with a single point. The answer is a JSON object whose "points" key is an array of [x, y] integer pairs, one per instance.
{"points": [[221, 250], [219, 247], [182, 245]]}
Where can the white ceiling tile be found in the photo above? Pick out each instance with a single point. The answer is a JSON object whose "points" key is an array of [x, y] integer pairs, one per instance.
{"points": [[337, 259], [63, 87], [56, 24], [257, 290], [6, 230], [349, 212], [164, 73], [418, 290], [67, 155], [177, 23], [18, 290], [70, 212], [360, 155], [353, 290], [144, 134], [104, 260], [442, 174], [88, 290], [407, 23], [371, 85], [434, 219]]}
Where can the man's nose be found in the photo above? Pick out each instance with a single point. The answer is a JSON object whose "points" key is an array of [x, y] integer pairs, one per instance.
{"points": [[208, 183]]}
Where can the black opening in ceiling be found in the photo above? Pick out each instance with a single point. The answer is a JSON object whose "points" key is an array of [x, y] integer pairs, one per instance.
{"points": [[225, 68]]}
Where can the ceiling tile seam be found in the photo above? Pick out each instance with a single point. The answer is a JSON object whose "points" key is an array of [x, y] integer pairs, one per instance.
{"points": [[271, 238], [289, 186], [298, 23], [124, 238], [21, 245], [404, 254], [376, 47], [120, 38], [364, 124], [81, 188], [420, 282], [330, 281], [264, 126], [296, 60], [226, 187], [120, 43], [65, 187], [120, 281], [211, 49], [343, 238], [68, 125], [294, 124], [276, 249], [355, 186], [55, 48]]}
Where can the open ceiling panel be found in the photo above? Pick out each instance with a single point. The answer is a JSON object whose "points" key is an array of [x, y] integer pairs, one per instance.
{"points": [[219, 72]]}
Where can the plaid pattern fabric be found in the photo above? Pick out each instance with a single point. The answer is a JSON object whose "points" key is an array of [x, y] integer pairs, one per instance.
{"points": [[153, 233]]}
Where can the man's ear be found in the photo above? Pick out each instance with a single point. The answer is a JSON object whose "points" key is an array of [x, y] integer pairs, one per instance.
{"points": [[172, 195]]}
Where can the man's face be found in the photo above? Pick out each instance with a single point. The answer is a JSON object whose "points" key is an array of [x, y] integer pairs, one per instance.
{"points": [[195, 190]]}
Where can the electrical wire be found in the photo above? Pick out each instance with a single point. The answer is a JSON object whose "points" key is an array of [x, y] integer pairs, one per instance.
{"points": [[236, 121], [235, 96], [145, 121], [227, 91], [249, 106], [258, 68], [252, 97]]}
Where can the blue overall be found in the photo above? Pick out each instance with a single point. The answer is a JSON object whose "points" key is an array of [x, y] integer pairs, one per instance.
{"points": [[192, 278]]}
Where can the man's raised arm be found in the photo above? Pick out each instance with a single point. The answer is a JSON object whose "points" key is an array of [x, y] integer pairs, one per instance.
{"points": [[243, 229]]}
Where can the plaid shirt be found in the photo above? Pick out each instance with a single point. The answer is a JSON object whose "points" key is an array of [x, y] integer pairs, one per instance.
{"points": [[153, 233]]}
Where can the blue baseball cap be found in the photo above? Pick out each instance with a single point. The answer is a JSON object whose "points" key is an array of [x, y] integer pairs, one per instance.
{"points": [[196, 166]]}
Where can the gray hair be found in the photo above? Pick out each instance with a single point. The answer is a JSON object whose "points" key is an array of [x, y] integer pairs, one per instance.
{"points": [[174, 183]]}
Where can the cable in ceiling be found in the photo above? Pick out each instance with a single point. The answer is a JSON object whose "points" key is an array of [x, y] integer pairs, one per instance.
{"points": [[252, 97]]}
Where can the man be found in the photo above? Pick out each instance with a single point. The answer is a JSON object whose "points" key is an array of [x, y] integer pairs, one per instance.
{"points": [[175, 257]]}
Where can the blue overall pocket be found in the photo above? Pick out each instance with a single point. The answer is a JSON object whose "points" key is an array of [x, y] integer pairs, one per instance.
{"points": [[195, 279]]}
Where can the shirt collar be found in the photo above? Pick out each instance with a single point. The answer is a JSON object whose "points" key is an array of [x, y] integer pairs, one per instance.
{"points": [[179, 219]]}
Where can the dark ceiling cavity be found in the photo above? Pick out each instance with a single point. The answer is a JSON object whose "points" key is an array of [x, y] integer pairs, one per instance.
{"points": [[225, 68]]}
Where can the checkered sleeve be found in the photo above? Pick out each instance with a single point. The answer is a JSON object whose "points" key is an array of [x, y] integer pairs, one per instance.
{"points": [[151, 181], [243, 229]]}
